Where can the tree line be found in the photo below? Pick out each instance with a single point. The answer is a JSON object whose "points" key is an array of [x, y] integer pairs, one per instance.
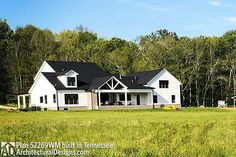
{"points": [[205, 65]]}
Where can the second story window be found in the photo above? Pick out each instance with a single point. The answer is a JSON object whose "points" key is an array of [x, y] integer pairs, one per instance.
{"points": [[163, 84], [70, 81]]}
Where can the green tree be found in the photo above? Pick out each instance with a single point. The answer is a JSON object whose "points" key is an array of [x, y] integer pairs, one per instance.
{"points": [[5, 37]]}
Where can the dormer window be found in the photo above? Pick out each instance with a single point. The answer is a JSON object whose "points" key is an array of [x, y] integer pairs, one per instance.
{"points": [[68, 78], [70, 81]]}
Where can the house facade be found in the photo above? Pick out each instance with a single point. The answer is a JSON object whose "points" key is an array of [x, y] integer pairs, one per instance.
{"points": [[68, 85]]}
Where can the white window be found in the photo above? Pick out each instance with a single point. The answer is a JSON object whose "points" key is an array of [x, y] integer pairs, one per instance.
{"points": [[70, 81], [163, 84], [71, 99]]}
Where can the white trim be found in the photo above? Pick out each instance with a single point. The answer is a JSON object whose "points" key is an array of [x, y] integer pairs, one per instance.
{"points": [[111, 91], [66, 85], [118, 81], [69, 72], [39, 71], [109, 85], [35, 82], [116, 85]]}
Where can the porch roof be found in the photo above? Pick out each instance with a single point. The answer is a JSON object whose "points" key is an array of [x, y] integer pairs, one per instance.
{"points": [[128, 81], [132, 83]]}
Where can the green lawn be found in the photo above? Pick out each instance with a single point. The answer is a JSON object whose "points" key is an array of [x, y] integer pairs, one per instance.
{"points": [[189, 132]]}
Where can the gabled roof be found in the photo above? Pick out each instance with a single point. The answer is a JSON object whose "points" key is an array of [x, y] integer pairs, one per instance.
{"points": [[145, 76], [128, 81], [97, 82], [65, 72], [132, 82], [52, 78], [87, 71], [91, 76]]}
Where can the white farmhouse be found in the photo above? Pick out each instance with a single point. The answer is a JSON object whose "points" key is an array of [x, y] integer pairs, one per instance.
{"points": [[67, 85]]}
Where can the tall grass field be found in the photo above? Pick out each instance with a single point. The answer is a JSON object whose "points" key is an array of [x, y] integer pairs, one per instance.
{"points": [[188, 132]]}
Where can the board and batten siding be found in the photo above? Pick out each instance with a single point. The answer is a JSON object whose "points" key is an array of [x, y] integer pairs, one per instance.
{"points": [[164, 94], [40, 89], [84, 99]]}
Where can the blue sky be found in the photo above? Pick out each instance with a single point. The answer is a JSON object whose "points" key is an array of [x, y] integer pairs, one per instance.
{"points": [[124, 18]]}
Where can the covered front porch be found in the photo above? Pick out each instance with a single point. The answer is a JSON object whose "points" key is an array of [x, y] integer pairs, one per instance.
{"points": [[112, 92], [121, 98]]}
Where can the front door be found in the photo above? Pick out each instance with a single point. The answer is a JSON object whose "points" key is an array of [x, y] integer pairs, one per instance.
{"points": [[138, 99]]}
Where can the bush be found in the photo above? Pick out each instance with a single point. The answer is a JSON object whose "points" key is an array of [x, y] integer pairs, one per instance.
{"points": [[35, 108], [45, 108], [25, 109]]}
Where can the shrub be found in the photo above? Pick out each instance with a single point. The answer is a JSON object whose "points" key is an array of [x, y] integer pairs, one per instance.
{"points": [[45, 108], [25, 109], [35, 108]]}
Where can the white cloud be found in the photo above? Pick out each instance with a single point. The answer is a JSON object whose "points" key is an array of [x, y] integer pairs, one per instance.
{"points": [[214, 2], [231, 20]]}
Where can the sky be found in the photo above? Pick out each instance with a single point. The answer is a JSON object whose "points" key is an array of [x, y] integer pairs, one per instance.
{"points": [[125, 19]]}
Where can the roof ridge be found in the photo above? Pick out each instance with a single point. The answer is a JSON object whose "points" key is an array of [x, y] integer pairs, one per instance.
{"points": [[148, 71], [70, 62]]}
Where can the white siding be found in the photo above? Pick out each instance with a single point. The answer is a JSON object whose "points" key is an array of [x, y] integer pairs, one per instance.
{"points": [[41, 88], [44, 68], [63, 79], [47, 68], [164, 94]]}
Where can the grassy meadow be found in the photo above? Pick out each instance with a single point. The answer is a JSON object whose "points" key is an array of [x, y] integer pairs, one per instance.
{"points": [[188, 132]]}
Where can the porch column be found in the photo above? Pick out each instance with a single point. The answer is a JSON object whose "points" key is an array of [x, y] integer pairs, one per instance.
{"points": [[125, 98], [18, 101], [29, 101], [99, 99], [24, 105]]}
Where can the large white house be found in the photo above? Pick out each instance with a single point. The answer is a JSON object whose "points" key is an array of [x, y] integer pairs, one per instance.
{"points": [[60, 85]]}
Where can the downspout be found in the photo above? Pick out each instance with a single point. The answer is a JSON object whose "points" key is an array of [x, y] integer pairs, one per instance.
{"points": [[92, 100], [153, 106], [57, 100]]}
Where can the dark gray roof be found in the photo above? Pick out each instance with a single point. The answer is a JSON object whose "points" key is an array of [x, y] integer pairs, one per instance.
{"points": [[87, 71], [52, 78], [91, 76], [128, 81], [97, 82], [132, 83], [145, 76]]}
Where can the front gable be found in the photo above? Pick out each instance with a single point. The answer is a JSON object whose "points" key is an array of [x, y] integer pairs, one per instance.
{"points": [[41, 81], [45, 67], [112, 84], [163, 75]]}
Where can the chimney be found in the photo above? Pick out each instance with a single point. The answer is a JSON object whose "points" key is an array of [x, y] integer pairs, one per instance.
{"points": [[120, 76]]}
